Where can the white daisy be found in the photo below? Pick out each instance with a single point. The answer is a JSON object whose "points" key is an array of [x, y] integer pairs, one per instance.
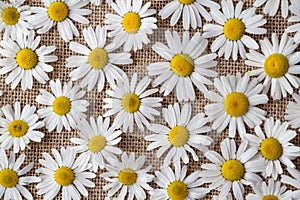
{"points": [[293, 110], [191, 11], [131, 102], [97, 63], [25, 60], [231, 170], [97, 141], [177, 186], [128, 176], [181, 134], [277, 65], [233, 28], [272, 6], [15, 18], [60, 13], [273, 146], [295, 9], [271, 191], [12, 181], [18, 127], [132, 23], [235, 104], [65, 172], [65, 107], [295, 181], [187, 65]]}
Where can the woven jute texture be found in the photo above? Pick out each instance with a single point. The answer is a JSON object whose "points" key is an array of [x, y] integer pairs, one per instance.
{"points": [[132, 142]]}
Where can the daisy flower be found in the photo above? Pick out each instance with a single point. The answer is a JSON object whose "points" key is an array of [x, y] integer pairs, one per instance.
{"points": [[65, 107], [295, 9], [295, 181], [191, 11], [187, 64], [65, 172], [97, 62], [231, 170], [60, 13], [15, 18], [97, 141], [277, 65], [177, 185], [25, 60], [235, 104], [132, 23], [12, 181], [272, 6], [18, 127], [181, 134], [128, 176], [131, 102], [293, 110], [273, 146], [271, 191], [233, 28]]}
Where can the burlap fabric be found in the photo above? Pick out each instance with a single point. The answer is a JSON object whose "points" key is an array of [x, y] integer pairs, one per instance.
{"points": [[133, 142]]}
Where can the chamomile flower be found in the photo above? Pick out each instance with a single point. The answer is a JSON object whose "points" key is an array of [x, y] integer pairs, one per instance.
{"points": [[60, 13], [272, 6], [131, 103], [233, 28], [65, 107], [273, 146], [18, 127], [132, 23], [180, 135], [177, 185], [186, 65], [235, 104], [128, 176], [295, 9], [295, 181], [12, 181], [292, 111], [277, 65], [191, 11], [64, 172], [231, 170], [97, 140], [271, 191], [97, 63], [25, 60]]}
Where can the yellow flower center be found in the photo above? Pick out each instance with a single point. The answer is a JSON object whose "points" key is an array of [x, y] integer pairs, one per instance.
{"points": [[232, 170], [10, 16], [27, 59], [64, 176], [186, 2], [8, 178], [131, 102], [98, 58], [127, 176], [178, 136], [97, 143], [177, 190], [270, 197], [271, 149], [182, 65], [276, 65], [17, 128], [234, 29], [131, 22], [61, 105], [58, 11], [236, 104]]}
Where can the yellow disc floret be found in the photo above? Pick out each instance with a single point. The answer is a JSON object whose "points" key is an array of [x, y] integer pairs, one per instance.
{"points": [[97, 143], [127, 176], [276, 65], [182, 65], [178, 136], [27, 59], [61, 105], [232, 170], [186, 2], [270, 197], [17, 128], [98, 58], [10, 16], [236, 104], [177, 190], [271, 149], [64, 176], [234, 29], [58, 11], [131, 102], [131, 22], [8, 178]]}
